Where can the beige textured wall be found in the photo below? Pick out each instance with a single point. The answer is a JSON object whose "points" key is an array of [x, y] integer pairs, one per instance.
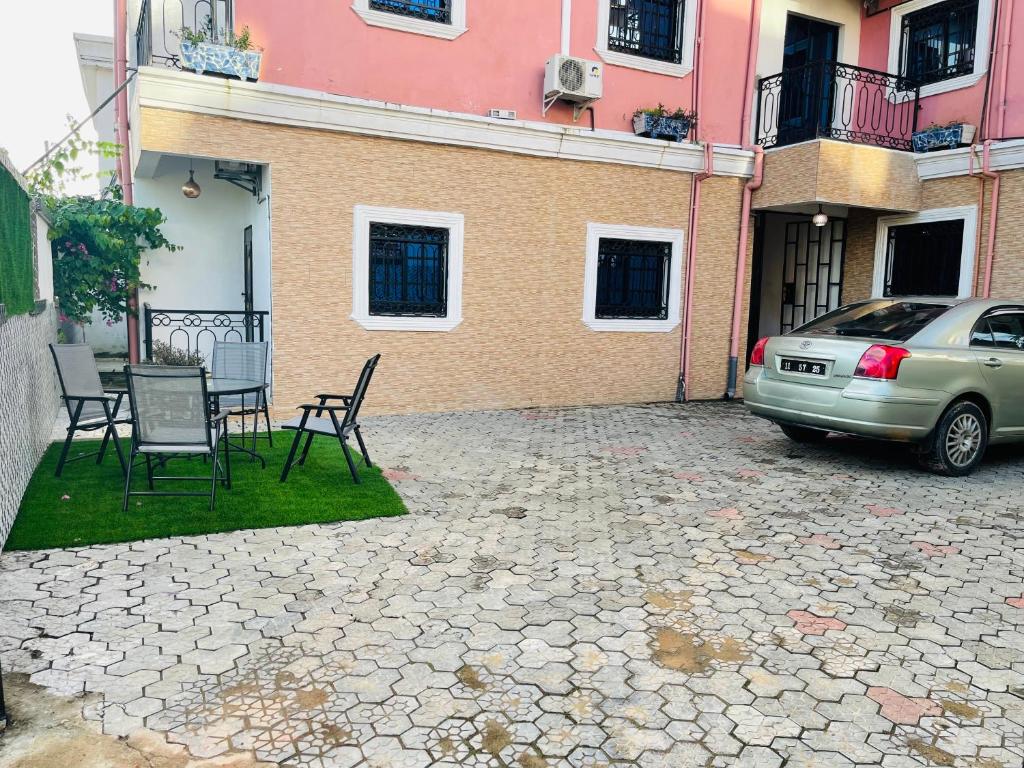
{"points": [[522, 341], [840, 173], [1008, 267], [715, 272]]}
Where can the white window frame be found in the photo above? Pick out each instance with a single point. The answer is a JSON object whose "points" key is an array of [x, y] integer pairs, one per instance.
{"points": [[969, 214], [417, 26], [981, 45], [625, 232], [363, 216], [620, 59]]}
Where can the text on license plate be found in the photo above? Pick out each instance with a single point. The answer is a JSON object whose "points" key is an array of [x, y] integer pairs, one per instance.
{"points": [[790, 365]]}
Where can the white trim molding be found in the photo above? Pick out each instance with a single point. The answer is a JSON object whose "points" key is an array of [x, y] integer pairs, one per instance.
{"points": [[363, 216], [1003, 156], [624, 232], [410, 24], [969, 214], [165, 88], [617, 58], [981, 45]]}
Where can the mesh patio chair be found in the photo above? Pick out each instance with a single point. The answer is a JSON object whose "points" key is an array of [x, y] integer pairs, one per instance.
{"points": [[89, 407], [243, 360], [311, 425], [171, 419]]}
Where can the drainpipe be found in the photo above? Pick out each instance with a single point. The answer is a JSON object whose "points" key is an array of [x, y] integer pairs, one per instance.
{"points": [[683, 390], [993, 213], [748, 90], [1007, 22], [741, 272], [124, 165]]}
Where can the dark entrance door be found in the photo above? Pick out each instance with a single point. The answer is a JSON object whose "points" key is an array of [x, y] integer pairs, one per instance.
{"points": [[247, 296], [806, 97]]}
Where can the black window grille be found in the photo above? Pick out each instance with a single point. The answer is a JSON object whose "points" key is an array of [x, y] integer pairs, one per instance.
{"points": [[924, 259], [408, 270], [937, 43], [429, 10], [632, 279], [649, 28]]}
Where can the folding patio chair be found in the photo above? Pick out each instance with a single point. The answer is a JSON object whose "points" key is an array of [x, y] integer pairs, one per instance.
{"points": [[171, 418], [311, 425], [89, 407], [243, 360]]}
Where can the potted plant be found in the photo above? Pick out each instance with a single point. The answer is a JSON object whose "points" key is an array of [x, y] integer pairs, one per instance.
{"points": [[945, 136], [201, 52], [658, 123]]}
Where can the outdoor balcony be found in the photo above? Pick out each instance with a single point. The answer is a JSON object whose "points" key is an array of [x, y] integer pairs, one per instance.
{"points": [[831, 100]]}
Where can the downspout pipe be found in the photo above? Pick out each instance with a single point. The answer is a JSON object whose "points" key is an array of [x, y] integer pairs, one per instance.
{"points": [[683, 387], [1006, 23], [124, 165], [993, 215], [683, 390], [741, 272]]}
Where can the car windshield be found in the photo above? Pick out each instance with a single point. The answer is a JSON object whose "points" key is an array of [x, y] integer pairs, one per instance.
{"points": [[893, 322]]}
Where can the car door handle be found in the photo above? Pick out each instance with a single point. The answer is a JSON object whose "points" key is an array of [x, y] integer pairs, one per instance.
{"points": [[993, 362]]}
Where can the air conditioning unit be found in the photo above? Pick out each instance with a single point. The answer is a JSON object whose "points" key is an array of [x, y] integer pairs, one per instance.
{"points": [[572, 79]]}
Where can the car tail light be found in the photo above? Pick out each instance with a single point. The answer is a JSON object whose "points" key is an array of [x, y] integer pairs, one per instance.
{"points": [[881, 361], [757, 356]]}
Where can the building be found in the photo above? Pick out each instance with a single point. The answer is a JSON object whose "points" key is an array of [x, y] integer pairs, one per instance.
{"points": [[361, 196]]}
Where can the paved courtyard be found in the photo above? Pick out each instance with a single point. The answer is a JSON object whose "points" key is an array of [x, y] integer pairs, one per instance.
{"points": [[624, 586]]}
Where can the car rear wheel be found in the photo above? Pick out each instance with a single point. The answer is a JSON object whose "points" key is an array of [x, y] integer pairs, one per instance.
{"points": [[958, 444], [803, 434]]}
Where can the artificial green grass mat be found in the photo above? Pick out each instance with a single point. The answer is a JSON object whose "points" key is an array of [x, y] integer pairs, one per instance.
{"points": [[83, 506]]}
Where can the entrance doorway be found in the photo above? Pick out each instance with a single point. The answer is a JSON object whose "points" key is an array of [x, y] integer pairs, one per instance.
{"points": [[807, 94]]}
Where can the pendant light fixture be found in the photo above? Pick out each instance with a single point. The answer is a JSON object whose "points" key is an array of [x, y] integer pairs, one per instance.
{"points": [[820, 219], [190, 188]]}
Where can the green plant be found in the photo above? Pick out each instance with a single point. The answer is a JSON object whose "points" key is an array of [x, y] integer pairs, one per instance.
{"points": [[97, 242], [661, 111], [242, 41], [17, 280], [165, 354]]}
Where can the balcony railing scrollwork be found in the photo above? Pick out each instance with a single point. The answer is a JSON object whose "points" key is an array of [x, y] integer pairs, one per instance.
{"points": [[195, 330], [830, 100], [158, 32]]}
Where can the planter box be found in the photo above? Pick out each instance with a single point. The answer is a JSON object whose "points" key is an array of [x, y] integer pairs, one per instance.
{"points": [[654, 127], [223, 59], [943, 138]]}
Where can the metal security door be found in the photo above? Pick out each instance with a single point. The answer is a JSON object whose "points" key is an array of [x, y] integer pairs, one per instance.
{"points": [[812, 277]]}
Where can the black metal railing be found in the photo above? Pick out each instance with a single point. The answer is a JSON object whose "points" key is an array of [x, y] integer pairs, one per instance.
{"points": [[649, 28], [937, 42], [428, 10], [195, 330], [158, 33], [826, 99]]}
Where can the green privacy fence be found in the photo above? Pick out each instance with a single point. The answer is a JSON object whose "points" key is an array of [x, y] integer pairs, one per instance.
{"points": [[17, 283]]}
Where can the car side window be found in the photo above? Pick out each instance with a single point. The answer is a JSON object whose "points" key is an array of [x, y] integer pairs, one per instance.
{"points": [[1008, 330], [981, 336]]}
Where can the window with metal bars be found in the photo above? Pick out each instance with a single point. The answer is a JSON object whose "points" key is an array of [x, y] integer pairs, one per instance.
{"points": [[924, 259], [408, 270], [937, 42], [649, 28], [632, 279], [428, 10]]}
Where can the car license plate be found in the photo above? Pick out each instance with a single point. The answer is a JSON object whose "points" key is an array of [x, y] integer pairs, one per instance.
{"points": [[791, 365]]}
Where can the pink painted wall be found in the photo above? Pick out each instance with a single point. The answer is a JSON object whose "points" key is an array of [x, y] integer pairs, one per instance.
{"points": [[965, 103], [499, 62]]}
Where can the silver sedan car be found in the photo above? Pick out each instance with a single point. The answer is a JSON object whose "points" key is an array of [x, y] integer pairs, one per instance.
{"points": [[945, 375]]}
